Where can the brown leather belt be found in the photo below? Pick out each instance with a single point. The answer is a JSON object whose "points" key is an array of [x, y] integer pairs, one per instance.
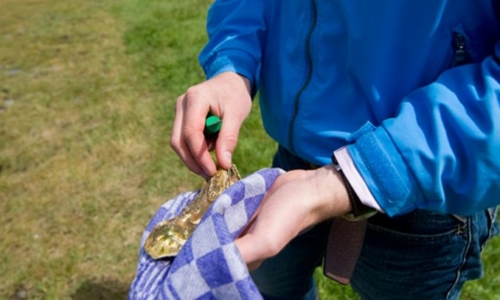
{"points": [[343, 248]]}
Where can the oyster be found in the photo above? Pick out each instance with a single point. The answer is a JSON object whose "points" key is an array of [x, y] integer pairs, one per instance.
{"points": [[168, 237]]}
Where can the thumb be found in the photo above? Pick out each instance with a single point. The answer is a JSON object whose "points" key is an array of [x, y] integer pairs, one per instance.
{"points": [[227, 141], [253, 259]]}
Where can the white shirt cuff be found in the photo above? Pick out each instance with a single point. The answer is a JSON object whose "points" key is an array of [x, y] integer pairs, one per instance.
{"points": [[358, 184]]}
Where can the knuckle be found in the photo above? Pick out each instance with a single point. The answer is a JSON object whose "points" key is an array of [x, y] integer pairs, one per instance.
{"points": [[181, 98], [231, 139], [192, 93], [179, 101], [174, 144], [188, 133]]}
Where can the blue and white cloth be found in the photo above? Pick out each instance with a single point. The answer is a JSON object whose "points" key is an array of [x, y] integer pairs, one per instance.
{"points": [[209, 266]]}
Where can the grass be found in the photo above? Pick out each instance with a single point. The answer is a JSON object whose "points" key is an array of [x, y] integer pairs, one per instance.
{"points": [[87, 91]]}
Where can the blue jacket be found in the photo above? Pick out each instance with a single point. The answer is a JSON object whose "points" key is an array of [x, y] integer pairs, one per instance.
{"points": [[412, 87]]}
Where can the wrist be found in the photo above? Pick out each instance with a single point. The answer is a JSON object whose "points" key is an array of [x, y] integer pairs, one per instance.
{"points": [[359, 211], [235, 79], [332, 199]]}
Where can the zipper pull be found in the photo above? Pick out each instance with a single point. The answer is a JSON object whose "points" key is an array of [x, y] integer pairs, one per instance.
{"points": [[461, 57]]}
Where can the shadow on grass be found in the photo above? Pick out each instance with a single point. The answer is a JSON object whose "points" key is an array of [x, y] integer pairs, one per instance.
{"points": [[101, 289]]}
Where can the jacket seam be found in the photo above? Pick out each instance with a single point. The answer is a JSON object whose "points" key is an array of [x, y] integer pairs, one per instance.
{"points": [[309, 63]]}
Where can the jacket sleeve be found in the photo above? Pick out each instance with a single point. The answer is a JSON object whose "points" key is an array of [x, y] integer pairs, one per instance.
{"points": [[441, 151], [236, 31]]}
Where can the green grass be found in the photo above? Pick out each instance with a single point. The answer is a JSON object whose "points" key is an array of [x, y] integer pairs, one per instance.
{"points": [[87, 91]]}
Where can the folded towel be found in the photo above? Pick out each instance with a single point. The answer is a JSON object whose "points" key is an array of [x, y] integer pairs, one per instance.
{"points": [[209, 266]]}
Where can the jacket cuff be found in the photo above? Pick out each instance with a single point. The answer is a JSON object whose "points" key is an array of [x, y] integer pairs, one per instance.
{"points": [[233, 61], [355, 180], [384, 171]]}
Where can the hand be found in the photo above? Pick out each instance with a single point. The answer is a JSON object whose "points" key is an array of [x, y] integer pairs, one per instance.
{"points": [[227, 96], [296, 201]]}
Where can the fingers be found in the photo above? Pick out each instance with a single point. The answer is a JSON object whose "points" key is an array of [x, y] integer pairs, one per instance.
{"points": [[270, 241], [228, 139], [253, 260], [233, 115], [226, 96], [195, 112], [187, 138], [253, 256]]}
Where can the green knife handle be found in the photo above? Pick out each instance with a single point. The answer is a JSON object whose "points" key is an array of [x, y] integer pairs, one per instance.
{"points": [[212, 125]]}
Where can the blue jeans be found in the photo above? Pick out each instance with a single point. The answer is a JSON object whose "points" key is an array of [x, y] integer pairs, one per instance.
{"points": [[420, 255]]}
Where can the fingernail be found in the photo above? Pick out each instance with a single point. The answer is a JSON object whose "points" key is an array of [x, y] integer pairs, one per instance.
{"points": [[228, 156]]}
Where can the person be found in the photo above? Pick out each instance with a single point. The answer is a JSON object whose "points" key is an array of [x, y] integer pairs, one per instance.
{"points": [[406, 94]]}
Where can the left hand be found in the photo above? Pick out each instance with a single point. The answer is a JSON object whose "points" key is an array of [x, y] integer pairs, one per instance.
{"points": [[297, 200]]}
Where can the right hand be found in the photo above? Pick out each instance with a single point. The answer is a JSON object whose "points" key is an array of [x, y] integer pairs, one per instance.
{"points": [[227, 96]]}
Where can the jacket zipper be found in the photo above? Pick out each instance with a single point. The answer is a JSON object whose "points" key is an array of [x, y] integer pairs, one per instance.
{"points": [[460, 57], [308, 77]]}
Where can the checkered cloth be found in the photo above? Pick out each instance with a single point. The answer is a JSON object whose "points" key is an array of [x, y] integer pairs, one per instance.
{"points": [[209, 266]]}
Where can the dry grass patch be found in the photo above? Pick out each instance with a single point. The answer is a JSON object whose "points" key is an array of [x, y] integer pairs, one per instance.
{"points": [[78, 146]]}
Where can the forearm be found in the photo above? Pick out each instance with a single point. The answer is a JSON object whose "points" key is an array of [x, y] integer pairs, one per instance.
{"points": [[440, 152], [235, 30]]}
